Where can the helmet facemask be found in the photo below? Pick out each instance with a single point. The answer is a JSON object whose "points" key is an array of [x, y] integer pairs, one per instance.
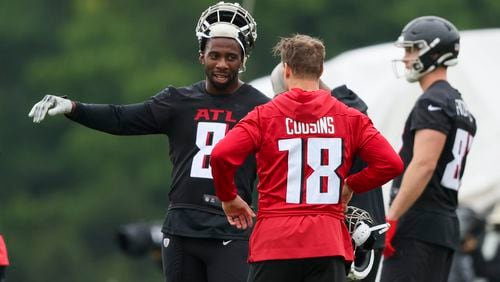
{"points": [[231, 21]]}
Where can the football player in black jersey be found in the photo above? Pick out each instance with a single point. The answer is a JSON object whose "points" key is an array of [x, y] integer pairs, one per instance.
{"points": [[437, 137], [371, 201], [199, 244]]}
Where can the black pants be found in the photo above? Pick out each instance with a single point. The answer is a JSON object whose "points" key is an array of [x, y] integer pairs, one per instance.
{"points": [[323, 269], [417, 261], [204, 260]]}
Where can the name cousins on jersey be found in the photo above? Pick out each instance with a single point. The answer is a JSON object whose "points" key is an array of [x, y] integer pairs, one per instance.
{"points": [[322, 126]]}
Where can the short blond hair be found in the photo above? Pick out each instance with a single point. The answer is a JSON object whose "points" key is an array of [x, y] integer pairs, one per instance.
{"points": [[304, 54]]}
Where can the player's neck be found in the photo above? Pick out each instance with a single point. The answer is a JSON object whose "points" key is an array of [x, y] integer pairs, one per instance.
{"points": [[230, 89], [427, 80], [304, 84]]}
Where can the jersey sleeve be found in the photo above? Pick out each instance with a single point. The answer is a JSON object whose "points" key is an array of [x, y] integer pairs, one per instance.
{"points": [[149, 117], [231, 152], [383, 163], [430, 114], [163, 107], [133, 119]]}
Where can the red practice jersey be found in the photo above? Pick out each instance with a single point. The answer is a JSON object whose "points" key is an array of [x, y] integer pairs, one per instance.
{"points": [[305, 143]]}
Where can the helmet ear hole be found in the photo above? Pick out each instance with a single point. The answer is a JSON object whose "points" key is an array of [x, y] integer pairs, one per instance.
{"points": [[418, 66]]}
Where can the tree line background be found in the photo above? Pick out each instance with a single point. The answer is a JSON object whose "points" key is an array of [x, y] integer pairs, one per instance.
{"points": [[65, 189]]}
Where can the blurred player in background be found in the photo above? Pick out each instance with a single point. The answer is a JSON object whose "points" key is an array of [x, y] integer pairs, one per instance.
{"points": [[199, 244], [472, 229], [437, 137], [305, 142]]}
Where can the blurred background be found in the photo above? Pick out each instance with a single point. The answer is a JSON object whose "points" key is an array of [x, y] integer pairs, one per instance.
{"points": [[66, 192]]}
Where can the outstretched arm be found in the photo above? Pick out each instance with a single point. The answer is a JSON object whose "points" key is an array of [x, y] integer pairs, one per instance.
{"points": [[134, 119]]}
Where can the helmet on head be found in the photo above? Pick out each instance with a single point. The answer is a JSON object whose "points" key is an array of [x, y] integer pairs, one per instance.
{"points": [[227, 20], [437, 41], [361, 228]]}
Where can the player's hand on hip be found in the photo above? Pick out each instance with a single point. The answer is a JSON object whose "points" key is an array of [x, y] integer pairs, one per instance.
{"points": [[346, 194], [52, 105], [389, 249], [239, 213]]}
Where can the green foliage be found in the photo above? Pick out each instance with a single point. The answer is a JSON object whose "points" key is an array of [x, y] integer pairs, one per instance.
{"points": [[64, 188]]}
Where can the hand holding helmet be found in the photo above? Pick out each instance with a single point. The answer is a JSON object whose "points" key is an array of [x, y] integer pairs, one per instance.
{"points": [[364, 234]]}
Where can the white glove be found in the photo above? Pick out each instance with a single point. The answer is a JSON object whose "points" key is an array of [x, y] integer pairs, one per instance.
{"points": [[53, 105]]}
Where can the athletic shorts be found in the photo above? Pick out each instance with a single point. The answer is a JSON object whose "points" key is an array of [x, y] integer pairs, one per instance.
{"points": [[322, 269], [204, 260], [416, 261]]}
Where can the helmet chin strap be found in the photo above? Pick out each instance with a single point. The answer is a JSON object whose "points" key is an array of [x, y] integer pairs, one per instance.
{"points": [[413, 75], [416, 73], [243, 67], [382, 228], [363, 232]]}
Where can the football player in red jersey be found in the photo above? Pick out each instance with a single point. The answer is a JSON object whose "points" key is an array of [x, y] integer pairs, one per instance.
{"points": [[199, 244], [372, 201], [437, 137], [305, 141]]}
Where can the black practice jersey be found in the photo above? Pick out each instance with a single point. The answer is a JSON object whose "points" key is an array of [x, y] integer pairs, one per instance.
{"points": [[432, 218], [194, 122]]}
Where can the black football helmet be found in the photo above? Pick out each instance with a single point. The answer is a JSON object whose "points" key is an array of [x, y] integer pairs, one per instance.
{"points": [[227, 20], [437, 41]]}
